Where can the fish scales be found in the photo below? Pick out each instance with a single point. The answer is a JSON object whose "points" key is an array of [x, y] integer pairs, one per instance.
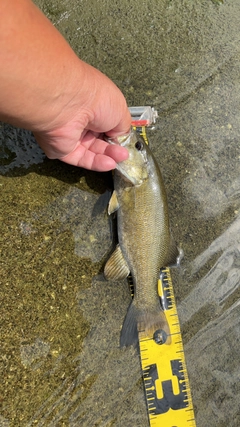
{"points": [[147, 227], [145, 242]]}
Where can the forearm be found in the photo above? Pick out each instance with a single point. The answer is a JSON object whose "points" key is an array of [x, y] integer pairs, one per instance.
{"points": [[46, 88], [39, 74]]}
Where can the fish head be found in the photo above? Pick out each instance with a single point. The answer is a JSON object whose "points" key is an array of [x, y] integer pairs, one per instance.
{"points": [[135, 169]]}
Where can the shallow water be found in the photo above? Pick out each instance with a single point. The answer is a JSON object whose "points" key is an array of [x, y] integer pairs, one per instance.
{"points": [[60, 359]]}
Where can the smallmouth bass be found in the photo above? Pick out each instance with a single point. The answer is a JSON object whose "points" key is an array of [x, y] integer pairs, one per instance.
{"points": [[145, 241]]}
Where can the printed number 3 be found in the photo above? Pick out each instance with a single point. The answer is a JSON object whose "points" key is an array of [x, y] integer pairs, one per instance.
{"points": [[170, 399]]}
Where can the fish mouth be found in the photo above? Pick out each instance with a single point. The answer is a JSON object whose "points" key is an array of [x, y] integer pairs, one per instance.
{"points": [[122, 140]]}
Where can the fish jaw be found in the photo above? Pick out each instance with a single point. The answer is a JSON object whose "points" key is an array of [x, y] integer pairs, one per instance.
{"points": [[135, 169], [122, 140]]}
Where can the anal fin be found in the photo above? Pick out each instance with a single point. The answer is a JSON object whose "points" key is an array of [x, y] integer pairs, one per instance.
{"points": [[116, 267]]}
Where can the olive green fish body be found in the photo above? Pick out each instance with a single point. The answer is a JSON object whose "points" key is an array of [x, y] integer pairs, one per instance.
{"points": [[143, 232], [144, 238]]}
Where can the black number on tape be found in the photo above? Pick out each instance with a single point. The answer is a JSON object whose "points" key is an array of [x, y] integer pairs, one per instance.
{"points": [[169, 398]]}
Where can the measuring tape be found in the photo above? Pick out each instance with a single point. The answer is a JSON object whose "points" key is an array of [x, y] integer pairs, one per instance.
{"points": [[164, 369]]}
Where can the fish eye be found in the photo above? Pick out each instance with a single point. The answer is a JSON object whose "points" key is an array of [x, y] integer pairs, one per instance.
{"points": [[139, 145]]}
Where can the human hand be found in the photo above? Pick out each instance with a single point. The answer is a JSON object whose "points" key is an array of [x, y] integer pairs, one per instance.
{"points": [[46, 88], [77, 137]]}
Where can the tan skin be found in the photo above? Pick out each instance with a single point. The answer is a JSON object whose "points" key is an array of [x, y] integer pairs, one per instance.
{"points": [[46, 88]]}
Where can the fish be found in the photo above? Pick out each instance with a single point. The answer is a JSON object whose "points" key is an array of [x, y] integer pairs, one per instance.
{"points": [[145, 243]]}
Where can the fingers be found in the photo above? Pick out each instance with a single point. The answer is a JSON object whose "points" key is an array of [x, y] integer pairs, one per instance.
{"points": [[116, 152], [95, 154], [90, 160], [87, 150], [99, 146]]}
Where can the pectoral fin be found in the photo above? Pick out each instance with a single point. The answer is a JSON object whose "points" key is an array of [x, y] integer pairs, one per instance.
{"points": [[113, 203], [116, 267]]}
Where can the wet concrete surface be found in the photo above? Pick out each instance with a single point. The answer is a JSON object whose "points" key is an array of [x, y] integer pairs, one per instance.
{"points": [[61, 364]]}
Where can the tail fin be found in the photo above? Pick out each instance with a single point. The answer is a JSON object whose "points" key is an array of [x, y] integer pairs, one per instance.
{"points": [[148, 321]]}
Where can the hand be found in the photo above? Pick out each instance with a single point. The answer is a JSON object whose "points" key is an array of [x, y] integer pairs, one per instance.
{"points": [[46, 88], [79, 141]]}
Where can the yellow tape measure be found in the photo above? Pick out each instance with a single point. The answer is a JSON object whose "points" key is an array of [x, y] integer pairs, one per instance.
{"points": [[164, 369]]}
